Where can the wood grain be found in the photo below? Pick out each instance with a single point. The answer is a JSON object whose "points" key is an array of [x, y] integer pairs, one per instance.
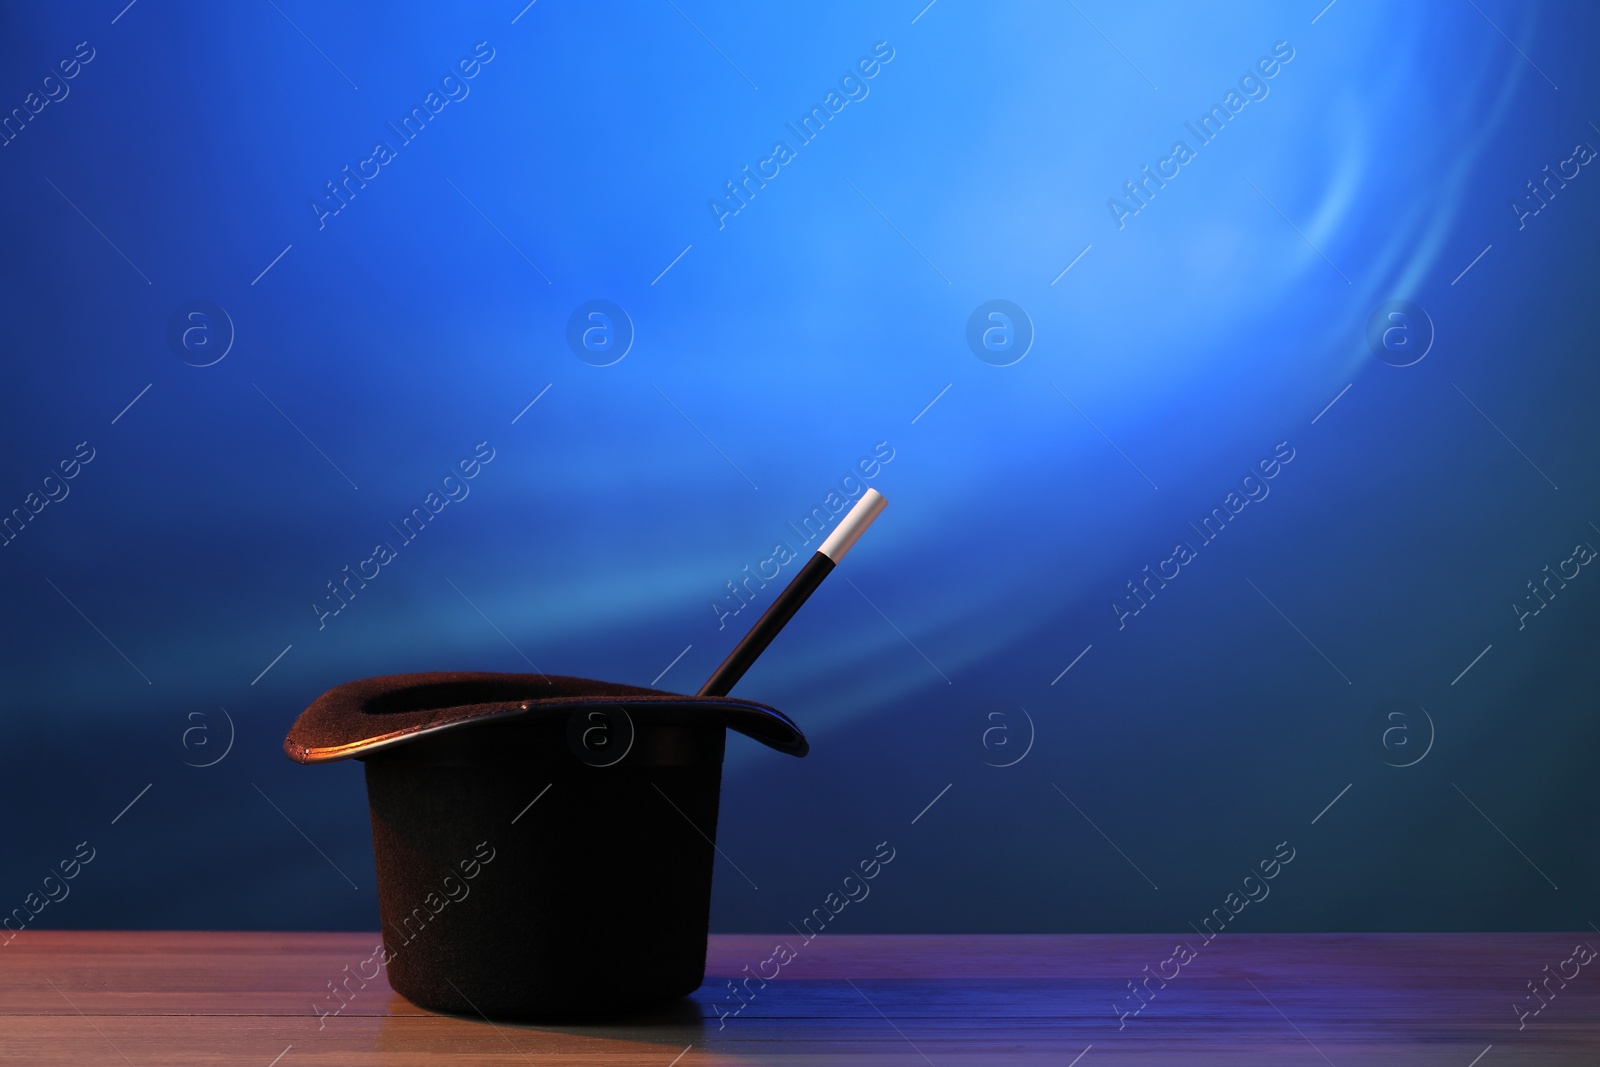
{"points": [[180, 998]]}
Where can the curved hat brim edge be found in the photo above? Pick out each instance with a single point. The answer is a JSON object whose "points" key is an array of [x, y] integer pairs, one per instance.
{"points": [[756, 721]]}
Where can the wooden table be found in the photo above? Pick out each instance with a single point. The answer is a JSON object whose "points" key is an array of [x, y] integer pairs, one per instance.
{"points": [[90, 998]]}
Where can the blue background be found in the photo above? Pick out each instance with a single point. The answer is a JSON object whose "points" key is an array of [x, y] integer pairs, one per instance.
{"points": [[823, 318]]}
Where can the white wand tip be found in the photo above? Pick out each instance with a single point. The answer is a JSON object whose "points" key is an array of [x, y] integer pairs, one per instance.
{"points": [[853, 525]]}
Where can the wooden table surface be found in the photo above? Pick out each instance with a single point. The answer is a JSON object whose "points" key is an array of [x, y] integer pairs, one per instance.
{"points": [[84, 998]]}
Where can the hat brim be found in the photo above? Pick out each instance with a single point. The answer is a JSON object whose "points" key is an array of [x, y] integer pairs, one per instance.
{"points": [[359, 718]]}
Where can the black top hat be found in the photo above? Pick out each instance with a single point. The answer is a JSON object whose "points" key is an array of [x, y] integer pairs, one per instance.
{"points": [[544, 845]]}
